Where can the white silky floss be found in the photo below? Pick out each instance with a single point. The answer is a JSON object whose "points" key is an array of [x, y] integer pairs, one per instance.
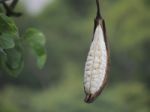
{"points": [[95, 67]]}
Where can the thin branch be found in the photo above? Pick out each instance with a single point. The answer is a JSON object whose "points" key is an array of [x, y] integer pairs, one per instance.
{"points": [[9, 8], [13, 4]]}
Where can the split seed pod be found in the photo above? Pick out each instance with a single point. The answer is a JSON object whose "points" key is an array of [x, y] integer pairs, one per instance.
{"points": [[96, 67]]}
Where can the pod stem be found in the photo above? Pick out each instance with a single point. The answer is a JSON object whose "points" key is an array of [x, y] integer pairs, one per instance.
{"points": [[98, 16]]}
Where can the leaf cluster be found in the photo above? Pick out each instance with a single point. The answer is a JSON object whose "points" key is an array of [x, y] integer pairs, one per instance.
{"points": [[12, 46]]}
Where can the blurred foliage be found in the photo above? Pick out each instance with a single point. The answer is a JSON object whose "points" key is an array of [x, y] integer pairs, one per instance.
{"points": [[68, 26], [11, 46], [36, 41], [131, 97]]}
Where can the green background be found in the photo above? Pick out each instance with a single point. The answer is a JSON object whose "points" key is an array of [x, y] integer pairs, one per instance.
{"points": [[68, 26]]}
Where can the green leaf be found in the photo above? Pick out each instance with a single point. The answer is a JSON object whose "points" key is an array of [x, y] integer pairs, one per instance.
{"points": [[13, 61], [36, 40], [6, 41], [7, 25], [8, 32], [11, 58]]}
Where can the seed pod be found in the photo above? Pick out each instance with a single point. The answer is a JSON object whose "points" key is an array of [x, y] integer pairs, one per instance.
{"points": [[95, 75]]}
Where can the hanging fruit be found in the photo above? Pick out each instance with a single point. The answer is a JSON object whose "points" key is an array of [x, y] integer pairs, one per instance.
{"points": [[96, 67]]}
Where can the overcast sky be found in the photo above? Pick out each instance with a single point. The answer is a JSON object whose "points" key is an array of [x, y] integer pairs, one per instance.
{"points": [[34, 7]]}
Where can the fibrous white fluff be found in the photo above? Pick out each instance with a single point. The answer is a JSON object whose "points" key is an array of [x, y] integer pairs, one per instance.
{"points": [[96, 64]]}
